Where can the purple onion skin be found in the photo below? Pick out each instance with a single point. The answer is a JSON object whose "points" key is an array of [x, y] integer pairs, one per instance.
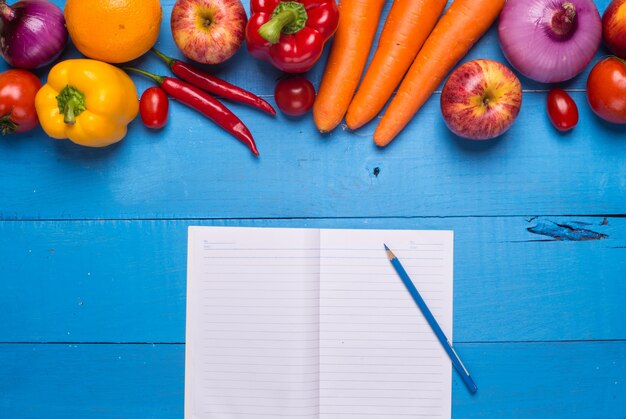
{"points": [[32, 33], [545, 47]]}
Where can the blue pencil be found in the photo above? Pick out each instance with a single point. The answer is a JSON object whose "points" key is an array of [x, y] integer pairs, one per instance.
{"points": [[456, 361]]}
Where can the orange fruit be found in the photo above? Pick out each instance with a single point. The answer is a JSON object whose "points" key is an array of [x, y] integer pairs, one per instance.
{"points": [[114, 31]]}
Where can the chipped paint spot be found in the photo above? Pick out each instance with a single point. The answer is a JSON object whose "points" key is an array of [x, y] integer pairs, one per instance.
{"points": [[572, 231]]}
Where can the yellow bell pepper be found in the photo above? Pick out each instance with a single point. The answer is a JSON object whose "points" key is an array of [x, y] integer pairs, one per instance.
{"points": [[88, 101]]}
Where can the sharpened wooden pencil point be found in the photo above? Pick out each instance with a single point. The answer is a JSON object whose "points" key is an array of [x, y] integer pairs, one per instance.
{"points": [[390, 254]]}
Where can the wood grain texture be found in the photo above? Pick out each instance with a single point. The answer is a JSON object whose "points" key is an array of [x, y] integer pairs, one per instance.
{"points": [[99, 381], [531, 294], [124, 281], [516, 380], [192, 169], [543, 380]]}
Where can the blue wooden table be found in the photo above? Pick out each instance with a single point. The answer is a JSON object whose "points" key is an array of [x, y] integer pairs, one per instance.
{"points": [[93, 245]]}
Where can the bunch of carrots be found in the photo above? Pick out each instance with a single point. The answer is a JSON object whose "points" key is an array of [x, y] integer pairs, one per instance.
{"points": [[416, 50]]}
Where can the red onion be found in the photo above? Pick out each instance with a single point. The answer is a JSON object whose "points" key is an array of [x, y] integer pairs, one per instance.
{"points": [[550, 40], [32, 33]]}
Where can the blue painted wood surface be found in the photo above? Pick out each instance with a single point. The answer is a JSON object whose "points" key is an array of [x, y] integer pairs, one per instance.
{"points": [[194, 170], [93, 245], [128, 278], [517, 380]]}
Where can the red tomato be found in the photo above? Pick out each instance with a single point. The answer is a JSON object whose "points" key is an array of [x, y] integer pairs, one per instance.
{"points": [[562, 110], [606, 90], [154, 107], [294, 95], [17, 101]]}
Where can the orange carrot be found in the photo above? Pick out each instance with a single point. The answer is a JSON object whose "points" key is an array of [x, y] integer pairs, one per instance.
{"points": [[461, 26], [358, 21], [408, 25]]}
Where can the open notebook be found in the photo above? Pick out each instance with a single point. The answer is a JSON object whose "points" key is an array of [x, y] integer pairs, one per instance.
{"points": [[308, 323]]}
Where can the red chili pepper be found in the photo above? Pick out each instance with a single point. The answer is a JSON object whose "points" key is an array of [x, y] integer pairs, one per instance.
{"points": [[205, 104], [212, 84], [290, 34]]}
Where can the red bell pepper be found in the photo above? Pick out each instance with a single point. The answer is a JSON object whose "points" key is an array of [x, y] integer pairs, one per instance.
{"points": [[290, 34]]}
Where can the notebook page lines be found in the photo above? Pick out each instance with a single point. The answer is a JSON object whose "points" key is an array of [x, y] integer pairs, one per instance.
{"points": [[378, 356], [253, 310]]}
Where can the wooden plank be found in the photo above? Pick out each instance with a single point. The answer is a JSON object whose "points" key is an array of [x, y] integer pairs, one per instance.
{"points": [[543, 380], [194, 170], [556, 380], [124, 281], [99, 381]]}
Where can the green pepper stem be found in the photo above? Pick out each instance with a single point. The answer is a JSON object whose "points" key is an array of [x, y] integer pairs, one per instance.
{"points": [[288, 17], [168, 60], [69, 117], [157, 79], [71, 103]]}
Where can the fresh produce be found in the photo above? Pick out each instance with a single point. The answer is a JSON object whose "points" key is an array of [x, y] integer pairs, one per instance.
{"points": [[208, 31], [205, 104], [481, 100], [614, 27], [562, 110], [115, 31], [606, 90], [550, 41], [88, 101], [358, 22], [17, 101], [153, 107], [290, 34], [461, 26], [294, 95], [32, 33], [408, 25], [212, 84]]}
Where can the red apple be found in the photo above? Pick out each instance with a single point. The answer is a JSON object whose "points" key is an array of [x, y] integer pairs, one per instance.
{"points": [[614, 27], [481, 100], [208, 31]]}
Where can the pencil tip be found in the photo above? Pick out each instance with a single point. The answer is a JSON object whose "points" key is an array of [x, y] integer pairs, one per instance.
{"points": [[390, 254]]}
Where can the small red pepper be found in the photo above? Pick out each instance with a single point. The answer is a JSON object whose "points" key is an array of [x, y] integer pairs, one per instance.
{"points": [[205, 104], [290, 34], [212, 84]]}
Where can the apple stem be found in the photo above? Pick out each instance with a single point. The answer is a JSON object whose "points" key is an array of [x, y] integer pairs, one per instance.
{"points": [[564, 20], [288, 17]]}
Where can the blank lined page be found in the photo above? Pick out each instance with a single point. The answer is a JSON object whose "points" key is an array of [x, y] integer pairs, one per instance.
{"points": [[252, 323], [378, 356]]}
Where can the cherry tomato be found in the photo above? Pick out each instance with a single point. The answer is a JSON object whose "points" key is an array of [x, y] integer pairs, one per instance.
{"points": [[17, 101], [153, 107], [606, 90], [562, 110], [294, 95]]}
